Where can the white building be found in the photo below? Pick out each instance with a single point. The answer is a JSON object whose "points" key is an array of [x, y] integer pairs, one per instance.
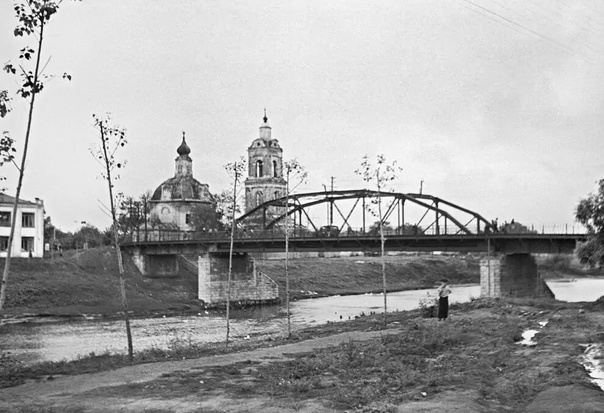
{"points": [[28, 240]]}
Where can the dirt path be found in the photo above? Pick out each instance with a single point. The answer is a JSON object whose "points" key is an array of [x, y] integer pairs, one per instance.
{"points": [[61, 392]]}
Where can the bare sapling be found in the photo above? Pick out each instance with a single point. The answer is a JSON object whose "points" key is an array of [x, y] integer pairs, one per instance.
{"points": [[235, 170], [112, 138], [380, 175], [295, 175]]}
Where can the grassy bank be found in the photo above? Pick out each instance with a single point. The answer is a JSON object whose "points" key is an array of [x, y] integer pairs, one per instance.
{"points": [[86, 282]]}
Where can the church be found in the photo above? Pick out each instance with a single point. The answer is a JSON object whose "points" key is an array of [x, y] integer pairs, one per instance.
{"points": [[174, 202]]}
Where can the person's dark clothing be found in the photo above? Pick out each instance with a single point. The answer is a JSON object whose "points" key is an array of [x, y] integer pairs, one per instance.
{"points": [[443, 308]]}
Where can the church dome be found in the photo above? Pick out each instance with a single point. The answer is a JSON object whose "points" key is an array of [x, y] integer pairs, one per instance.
{"points": [[181, 188], [183, 149]]}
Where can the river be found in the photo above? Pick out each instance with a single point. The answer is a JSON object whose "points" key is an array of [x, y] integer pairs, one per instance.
{"points": [[48, 339]]}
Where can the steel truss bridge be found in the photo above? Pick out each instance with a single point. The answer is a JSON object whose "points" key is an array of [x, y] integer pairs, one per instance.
{"points": [[347, 221], [442, 216]]}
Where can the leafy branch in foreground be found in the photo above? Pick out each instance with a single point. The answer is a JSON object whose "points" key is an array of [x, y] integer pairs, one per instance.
{"points": [[32, 17]]}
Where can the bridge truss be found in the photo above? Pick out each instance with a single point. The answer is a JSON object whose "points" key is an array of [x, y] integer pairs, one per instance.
{"points": [[350, 212]]}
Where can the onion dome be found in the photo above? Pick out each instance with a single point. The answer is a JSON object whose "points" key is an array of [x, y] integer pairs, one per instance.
{"points": [[183, 149]]}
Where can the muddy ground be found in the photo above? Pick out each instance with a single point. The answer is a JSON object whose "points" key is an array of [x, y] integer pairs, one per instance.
{"points": [[472, 362]]}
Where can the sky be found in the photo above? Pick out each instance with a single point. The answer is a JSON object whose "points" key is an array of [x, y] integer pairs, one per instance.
{"points": [[496, 106]]}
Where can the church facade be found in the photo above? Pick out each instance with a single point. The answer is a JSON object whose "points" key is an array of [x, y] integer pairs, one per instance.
{"points": [[174, 201]]}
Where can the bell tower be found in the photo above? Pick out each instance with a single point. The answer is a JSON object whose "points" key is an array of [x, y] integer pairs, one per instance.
{"points": [[265, 169]]}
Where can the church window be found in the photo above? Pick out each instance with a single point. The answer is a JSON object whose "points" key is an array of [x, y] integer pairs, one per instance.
{"points": [[258, 169], [165, 210], [275, 172], [259, 199]]}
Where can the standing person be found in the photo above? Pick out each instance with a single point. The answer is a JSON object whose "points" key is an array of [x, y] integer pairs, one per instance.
{"points": [[443, 299]]}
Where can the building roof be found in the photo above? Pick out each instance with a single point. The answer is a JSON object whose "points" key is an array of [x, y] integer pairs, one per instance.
{"points": [[7, 199]]}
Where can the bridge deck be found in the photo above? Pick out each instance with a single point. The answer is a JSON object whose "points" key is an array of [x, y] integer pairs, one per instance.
{"points": [[505, 243]]}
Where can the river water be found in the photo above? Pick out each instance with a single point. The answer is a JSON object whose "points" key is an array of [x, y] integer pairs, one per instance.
{"points": [[50, 339]]}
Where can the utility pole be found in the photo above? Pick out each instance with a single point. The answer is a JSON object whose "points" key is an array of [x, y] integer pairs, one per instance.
{"points": [[331, 204]]}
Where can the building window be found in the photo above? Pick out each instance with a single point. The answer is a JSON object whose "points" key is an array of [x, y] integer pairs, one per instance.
{"points": [[28, 219], [27, 244], [275, 172], [188, 219], [3, 243], [258, 169], [276, 194], [259, 200], [4, 219]]}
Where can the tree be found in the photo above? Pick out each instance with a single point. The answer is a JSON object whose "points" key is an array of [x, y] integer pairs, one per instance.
{"points": [[409, 229], [380, 175], [205, 218], [235, 170], [294, 171], [590, 213], [32, 16], [224, 205], [112, 138]]}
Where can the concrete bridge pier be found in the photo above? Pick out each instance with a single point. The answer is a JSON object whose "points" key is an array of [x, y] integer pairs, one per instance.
{"points": [[249, 285], [512, 275]]}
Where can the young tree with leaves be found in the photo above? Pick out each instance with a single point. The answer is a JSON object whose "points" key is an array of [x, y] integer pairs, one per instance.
{"points": [[294, 174], [590, 213], [32, 17], [112, 138], [235, 171], [380, 175]]}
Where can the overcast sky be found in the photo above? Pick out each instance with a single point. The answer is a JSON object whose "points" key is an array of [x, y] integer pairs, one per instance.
{"points": [[496, 106]]}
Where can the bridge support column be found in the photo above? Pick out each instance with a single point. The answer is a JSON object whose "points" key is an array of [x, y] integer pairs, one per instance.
{"points": [[512, 275], [248, 284], [165, 265]]}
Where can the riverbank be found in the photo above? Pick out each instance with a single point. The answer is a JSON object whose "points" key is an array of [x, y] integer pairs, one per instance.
{"points": [[473, 362], [86, 282]]}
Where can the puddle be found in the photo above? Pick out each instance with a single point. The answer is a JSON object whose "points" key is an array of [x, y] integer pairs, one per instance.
{"points": [[592, 361], [527, 338], [528, 335]]}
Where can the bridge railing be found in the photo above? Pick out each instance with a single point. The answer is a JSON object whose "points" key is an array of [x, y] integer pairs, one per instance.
{"points": [[332, 231]]}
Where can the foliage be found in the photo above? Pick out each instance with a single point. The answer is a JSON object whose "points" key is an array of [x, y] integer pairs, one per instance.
{"points": [[206, 218], [133, 213], [590, 213], [410, 229], [428, 306], [514, 227], [224, 206]]}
